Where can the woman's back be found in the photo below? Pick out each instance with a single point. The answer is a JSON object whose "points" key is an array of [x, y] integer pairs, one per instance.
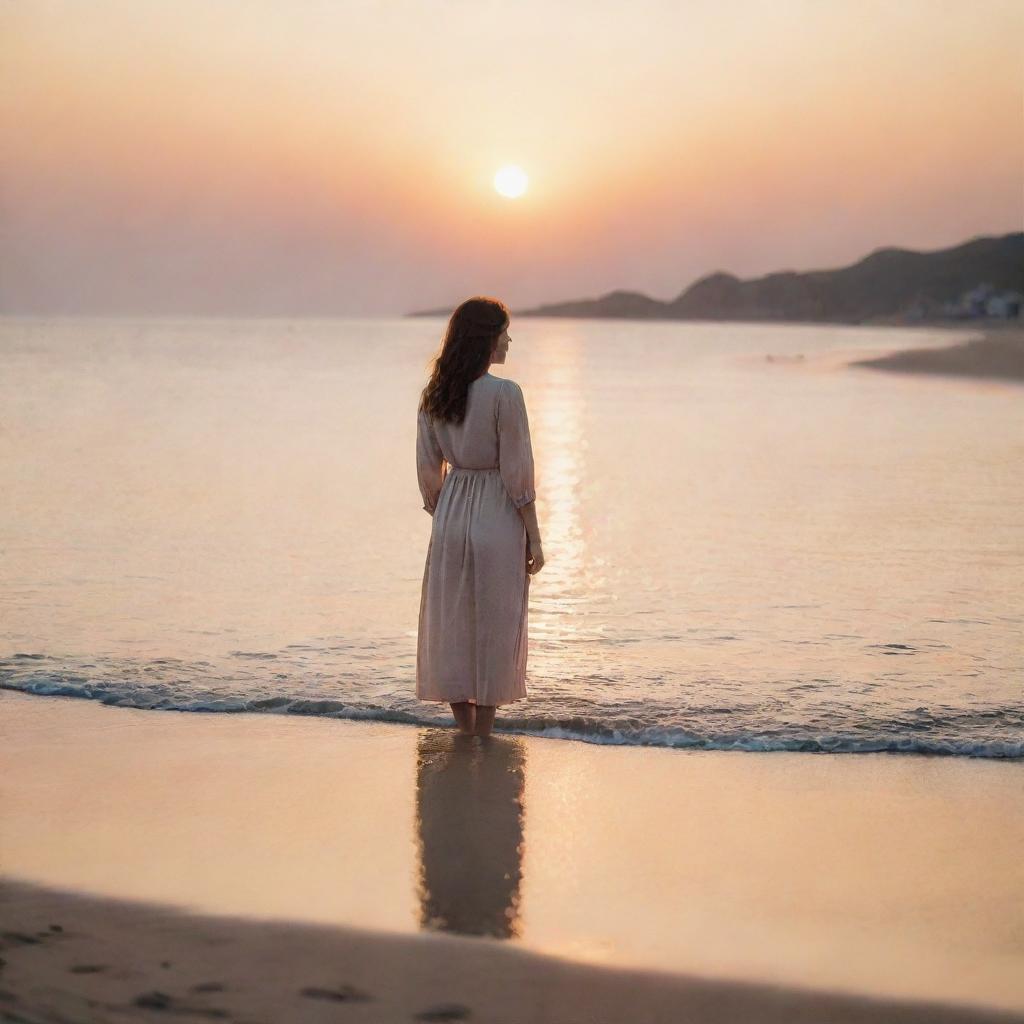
{"points": [[494, 434]]}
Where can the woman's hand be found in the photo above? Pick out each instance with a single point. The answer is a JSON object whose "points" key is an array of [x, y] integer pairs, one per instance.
{"points": [[534, 557]]}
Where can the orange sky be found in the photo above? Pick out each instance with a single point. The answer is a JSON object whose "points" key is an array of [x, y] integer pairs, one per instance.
{"points": [[337, 156]]}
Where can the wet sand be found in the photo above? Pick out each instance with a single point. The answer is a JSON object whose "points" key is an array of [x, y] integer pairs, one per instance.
{"points": [[997, 355], [280, 866]]}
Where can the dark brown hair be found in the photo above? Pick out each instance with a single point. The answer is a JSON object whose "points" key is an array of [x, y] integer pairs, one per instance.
{"points": [[465, 355]]}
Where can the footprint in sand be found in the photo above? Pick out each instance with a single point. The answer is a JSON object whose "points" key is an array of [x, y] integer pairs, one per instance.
{"points": [[162, 1001], [343, 994], [450, 1011]]}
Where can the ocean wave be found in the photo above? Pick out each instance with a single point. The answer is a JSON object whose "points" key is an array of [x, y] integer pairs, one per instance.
{"points": [[895, 736]]}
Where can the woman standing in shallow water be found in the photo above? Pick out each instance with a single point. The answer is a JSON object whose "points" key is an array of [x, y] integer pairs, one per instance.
{"points": [[474, 462]]}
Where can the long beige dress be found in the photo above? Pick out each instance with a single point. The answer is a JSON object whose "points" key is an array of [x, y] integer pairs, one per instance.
{"points": [[473, 477]]}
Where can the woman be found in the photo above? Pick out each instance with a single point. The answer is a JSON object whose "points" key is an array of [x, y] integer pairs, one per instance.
{"points": [[474, 461]]}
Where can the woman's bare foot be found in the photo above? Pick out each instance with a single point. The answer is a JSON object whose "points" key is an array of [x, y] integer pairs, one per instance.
{"points": [[484, 719], [464, 716]]}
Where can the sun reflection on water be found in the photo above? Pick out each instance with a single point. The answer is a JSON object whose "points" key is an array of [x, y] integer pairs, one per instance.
{"points": [[559, 407]]}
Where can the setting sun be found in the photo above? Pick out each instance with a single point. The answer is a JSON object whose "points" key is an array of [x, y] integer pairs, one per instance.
{"points": [[511, 182]]}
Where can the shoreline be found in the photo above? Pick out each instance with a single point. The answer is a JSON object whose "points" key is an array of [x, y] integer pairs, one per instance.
{"points": [[997, 750], [70, 956], [998, 354]]}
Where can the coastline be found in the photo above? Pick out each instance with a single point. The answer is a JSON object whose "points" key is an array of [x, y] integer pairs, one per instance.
{"points": [[998, 354], [72, 957], [873, 877]]}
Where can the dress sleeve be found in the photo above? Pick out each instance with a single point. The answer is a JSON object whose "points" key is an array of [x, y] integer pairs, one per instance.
{"points": [[431, 467], [515, 450]]}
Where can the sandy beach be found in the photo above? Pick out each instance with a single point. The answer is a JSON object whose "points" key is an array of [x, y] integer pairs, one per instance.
{"points": [[269, 868], [998, 354]]}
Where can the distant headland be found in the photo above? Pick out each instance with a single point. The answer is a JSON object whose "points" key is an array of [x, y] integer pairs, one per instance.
{"points": [[980, 280]]}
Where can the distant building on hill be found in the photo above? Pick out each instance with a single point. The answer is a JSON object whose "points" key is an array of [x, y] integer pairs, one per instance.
{"points": [[985, 301], [1006, 305]]}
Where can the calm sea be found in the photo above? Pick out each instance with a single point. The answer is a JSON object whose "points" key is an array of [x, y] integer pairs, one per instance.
{"points": [[749, 545]]}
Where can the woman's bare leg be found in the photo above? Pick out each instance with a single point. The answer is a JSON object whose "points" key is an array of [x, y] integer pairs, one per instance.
{"points": [[463, 712], [484, 719]]}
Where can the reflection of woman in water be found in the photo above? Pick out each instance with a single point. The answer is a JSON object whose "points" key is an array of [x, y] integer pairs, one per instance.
{"points": [[474, 461], [469, 808]]}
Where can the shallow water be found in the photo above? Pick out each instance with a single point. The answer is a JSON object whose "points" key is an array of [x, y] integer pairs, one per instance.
{"points": [[741, 552]]}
